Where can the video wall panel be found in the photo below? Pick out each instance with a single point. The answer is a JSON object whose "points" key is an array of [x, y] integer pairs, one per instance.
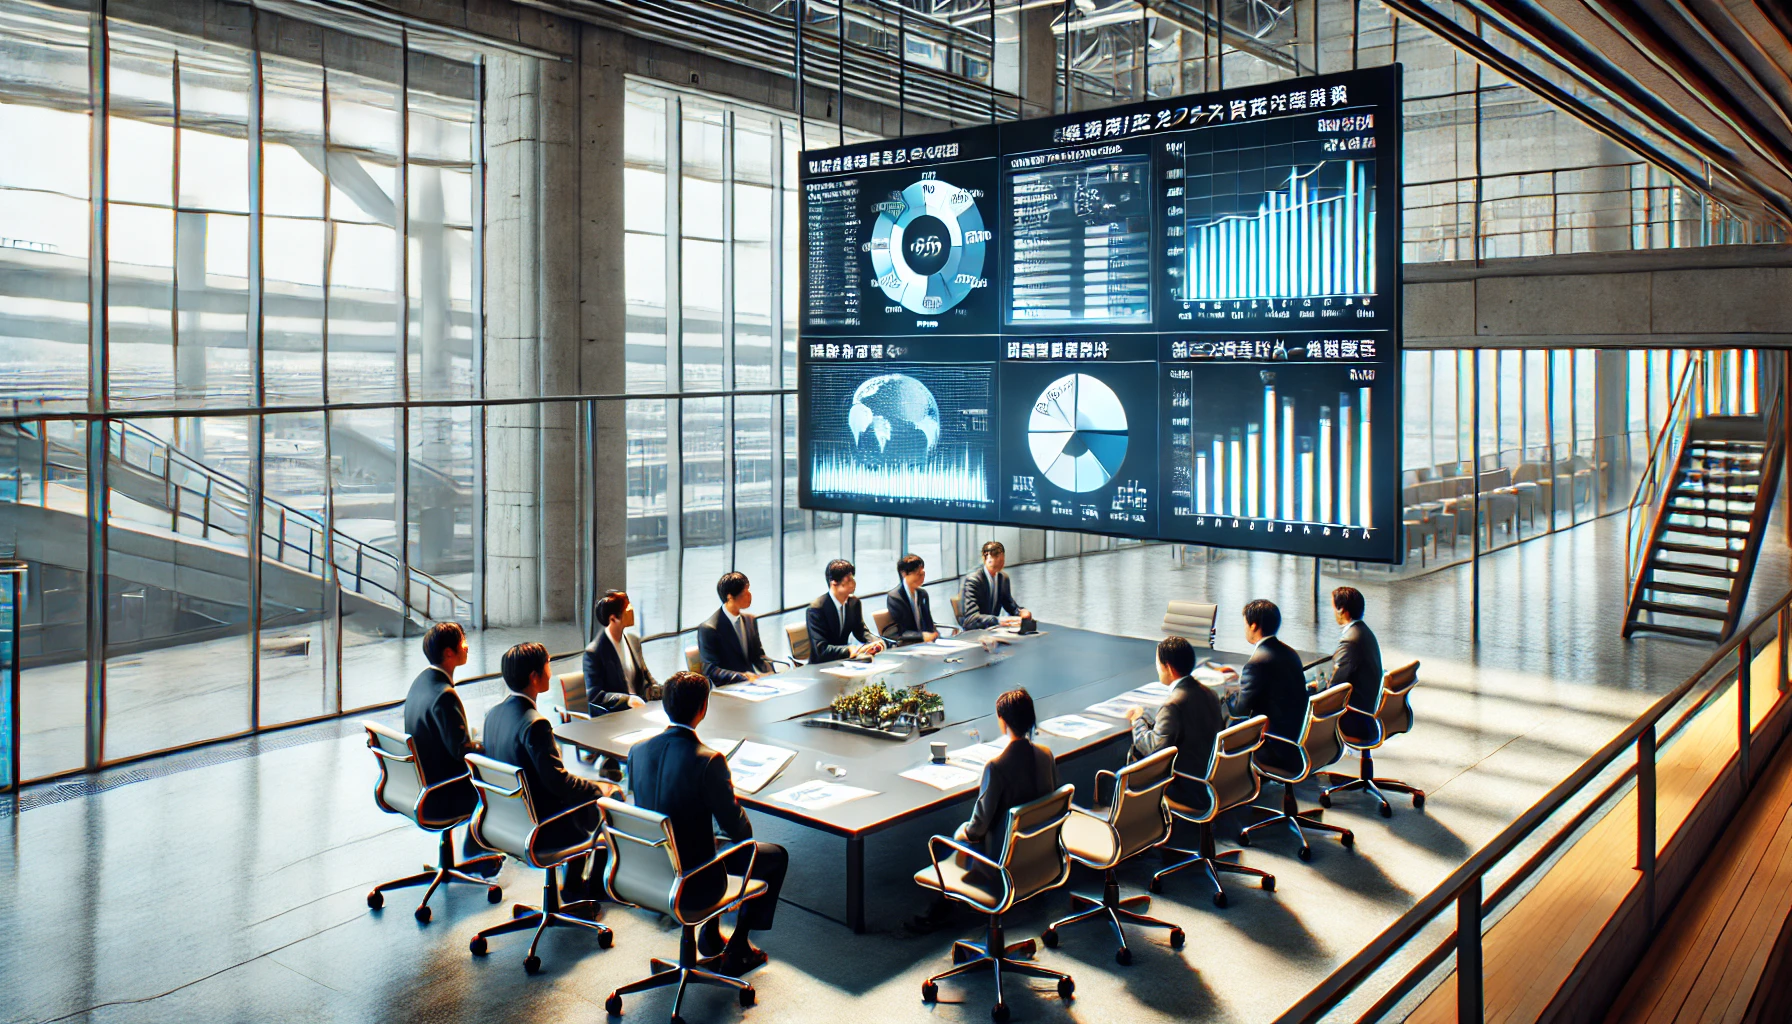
{"points": [[1176, 319]]}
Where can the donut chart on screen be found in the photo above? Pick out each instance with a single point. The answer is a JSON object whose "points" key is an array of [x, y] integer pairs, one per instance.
{"points": [[928, 248], [1077, 433]]}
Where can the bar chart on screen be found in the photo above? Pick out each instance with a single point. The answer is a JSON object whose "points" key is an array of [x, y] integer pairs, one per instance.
{"points": [[1313, 237]]}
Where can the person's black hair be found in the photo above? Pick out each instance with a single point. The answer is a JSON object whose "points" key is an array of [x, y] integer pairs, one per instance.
{"points": [[683, 696], [993, 547], [610, 606], [1016, 708], [908, 563], [731, 585], [441, 638], [838, 570], [1349, 600], [520, 664], [1264, 615], [1176, 654]]}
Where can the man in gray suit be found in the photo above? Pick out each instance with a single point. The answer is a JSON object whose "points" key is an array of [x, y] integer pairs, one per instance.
{"points": [[437, 723], [1357, 660], [613, 659], [1188, 720], [986, 598]]}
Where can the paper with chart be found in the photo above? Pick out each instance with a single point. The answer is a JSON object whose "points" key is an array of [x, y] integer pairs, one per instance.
{"points": [[754, 764], [942, 776], [977, 755], [764, 688], [817, 795], [1074, 727], [1150, 695]]}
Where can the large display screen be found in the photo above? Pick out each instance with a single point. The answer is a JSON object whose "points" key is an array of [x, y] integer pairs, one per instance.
{"points": [[1177, 319]]}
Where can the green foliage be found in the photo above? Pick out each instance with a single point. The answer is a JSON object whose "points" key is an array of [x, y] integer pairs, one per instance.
{"points": [[876, 702]]}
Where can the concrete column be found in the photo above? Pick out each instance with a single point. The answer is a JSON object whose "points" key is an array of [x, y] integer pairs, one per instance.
{"points": [[602, 301], [1611, 417], [1038, 61]]}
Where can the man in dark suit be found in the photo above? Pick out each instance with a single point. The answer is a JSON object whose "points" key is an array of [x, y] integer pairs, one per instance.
{"points": [[986, 599], [518, 734], [675, 774], [437, 723], [1272, 683], [911, 617], [1357, 661], [728, 641], [837, 618], [613, 660], [1188, 720]]}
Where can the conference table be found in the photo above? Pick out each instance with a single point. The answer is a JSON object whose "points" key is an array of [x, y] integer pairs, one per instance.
{"points": [[1066, 670]]}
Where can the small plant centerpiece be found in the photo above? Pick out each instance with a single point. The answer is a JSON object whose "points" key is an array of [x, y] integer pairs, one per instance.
{"points": [[878, 710]]}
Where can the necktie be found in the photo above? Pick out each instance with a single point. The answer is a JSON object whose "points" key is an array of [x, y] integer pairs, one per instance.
{"points": [[740, 630]]}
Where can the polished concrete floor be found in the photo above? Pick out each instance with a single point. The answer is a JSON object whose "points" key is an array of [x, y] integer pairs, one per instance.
{"points": [[227, 884]]}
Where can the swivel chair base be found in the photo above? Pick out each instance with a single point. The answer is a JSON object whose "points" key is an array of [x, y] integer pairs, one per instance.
{"points": [[689, 969], [1114, 907], [1367, 781], [549, 915], [1296, 819], [995, 954], [1213, 863], [445, 870]]}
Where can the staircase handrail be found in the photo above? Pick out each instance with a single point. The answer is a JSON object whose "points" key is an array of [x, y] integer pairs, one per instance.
{"points": [[1664, 453]]}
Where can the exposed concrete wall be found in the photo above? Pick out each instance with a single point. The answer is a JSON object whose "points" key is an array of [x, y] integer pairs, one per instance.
{"points": [[1721, 296]]}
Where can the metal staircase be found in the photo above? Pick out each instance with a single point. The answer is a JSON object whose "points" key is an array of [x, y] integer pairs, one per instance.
{"points": [[1704, 500], [202, 502]]}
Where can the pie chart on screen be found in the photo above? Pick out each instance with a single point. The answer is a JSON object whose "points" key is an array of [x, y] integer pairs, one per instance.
{"points": [[1077, 433]]}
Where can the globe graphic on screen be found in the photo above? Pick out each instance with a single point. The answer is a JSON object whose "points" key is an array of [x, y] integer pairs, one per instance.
{"points": [[895, 421]]}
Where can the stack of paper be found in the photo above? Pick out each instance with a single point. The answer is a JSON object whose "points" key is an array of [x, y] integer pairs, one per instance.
{"points": [[754, 764], [1150, 695], [853, 669], [977, 755], [942, 776], [763, 688], [629, 739], [816, 795], [1074, 727]]}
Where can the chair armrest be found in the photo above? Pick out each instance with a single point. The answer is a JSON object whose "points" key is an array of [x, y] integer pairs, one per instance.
{"points": [[788, 662], [545, 822], [721, 857], [933, 845], [569, 716], [1299, 752]]}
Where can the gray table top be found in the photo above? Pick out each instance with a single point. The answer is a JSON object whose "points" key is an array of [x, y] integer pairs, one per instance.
{"points": [[1066, 670]]}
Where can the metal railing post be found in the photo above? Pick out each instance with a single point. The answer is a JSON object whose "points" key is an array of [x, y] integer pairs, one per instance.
{"points": [[1744, 721], [1468, 954], [1645, 819], [1780, 679]]}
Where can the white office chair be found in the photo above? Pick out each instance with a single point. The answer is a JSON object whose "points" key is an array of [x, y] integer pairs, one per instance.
{"points": [[1138, 821], [401, 790], [1033, 861], [506, 821], [1230, 781], [574, 707], [692, 660], [880, 622], [1193, 620], [797, 635], [1319, 745], [644, 872]]}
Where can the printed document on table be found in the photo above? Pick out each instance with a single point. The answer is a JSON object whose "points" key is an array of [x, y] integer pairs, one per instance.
{"points": [[754, 764], [817, 795], [764, 688], [1074, 727], [942, 776], [976, 755], [853, 669], [1150, 695], [629, 739]]}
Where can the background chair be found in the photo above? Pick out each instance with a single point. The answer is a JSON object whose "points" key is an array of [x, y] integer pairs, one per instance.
{"points": [[692, 660], [1193, 620], [506, 821], [401, 790], [574, 705], [1033, 861], [1361, 733], [957, 607], [1230, 781], [1319, 745], [644, 872], [880, 621], [796, 634], [1137, 821]]}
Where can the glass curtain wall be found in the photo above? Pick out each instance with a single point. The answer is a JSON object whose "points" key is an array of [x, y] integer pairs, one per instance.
{"points": [[281, 216]]}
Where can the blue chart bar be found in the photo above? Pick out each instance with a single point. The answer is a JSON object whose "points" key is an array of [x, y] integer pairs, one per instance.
{"points": [[1299, 244]]}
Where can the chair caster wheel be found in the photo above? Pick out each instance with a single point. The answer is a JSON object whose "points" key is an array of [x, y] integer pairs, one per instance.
{"points": [[477, 946], [1066, 988], [375, 901], [1348, 839], [531, 964], [421, 914], [1177, 938], [1123, 956], [676, 1019], [494, 894], [1000, 1013], [1219, 899], [519, 910], [1385, 811], [606, 939], [1050, 938], [1418, 801], [929, 992], [613, 1005], [1305, 853], [1156, 886], [1325, 799], [747, 995], [1269, 883], [960, 955]]}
